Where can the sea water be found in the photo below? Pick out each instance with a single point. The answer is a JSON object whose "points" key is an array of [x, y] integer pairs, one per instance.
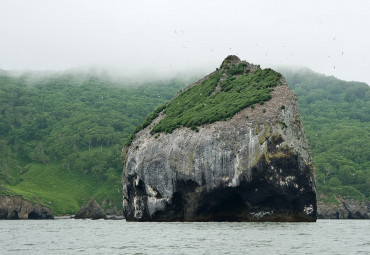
{"points": [[70, 236]]}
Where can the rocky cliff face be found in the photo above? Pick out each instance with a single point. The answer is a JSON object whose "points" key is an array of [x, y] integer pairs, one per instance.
{"points": [[13, 208], [255, 166], [344, 209]]}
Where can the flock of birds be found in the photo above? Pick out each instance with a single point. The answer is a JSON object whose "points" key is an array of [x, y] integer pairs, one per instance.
{"points": [[187, 42], [230, 49]]}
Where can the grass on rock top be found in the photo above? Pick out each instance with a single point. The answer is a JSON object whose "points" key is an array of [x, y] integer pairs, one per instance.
{"points": [[207, 103]]}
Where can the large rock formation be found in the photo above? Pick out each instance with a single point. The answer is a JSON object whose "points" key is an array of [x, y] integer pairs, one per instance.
{"points": [[13, 208], [255, 166], [91, 211]]}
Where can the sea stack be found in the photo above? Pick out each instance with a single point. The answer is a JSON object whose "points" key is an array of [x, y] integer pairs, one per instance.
{"points": [[230, 147]]}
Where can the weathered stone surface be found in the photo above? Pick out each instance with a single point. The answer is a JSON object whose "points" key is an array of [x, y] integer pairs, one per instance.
{"points": [[344, 209], [91, 211], [12, 208], [256, 166]]}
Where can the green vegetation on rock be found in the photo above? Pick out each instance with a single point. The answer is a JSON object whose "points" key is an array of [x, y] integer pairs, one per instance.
{"points": [[215, 99]]}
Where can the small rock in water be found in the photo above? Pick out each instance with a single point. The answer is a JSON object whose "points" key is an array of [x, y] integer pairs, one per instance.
{"points": [[91, 211]]}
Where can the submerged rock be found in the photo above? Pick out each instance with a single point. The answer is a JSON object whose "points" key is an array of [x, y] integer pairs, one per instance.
{"points": [[13, 208], [253, 166], [91, 211]]}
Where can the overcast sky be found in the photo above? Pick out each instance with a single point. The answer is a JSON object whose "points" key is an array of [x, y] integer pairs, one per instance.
{"points": [[168, 36]]}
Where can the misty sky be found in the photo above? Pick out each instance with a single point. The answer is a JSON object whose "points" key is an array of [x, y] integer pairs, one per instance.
{"points": [[168, 36]]}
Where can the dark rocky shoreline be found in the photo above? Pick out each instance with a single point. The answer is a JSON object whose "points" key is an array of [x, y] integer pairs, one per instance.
{"points": [[14, 208], [108, 217], [344, 209]]}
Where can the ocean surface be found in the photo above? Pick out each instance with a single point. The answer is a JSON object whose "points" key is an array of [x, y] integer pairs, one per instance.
{"points": [[70, 236]]}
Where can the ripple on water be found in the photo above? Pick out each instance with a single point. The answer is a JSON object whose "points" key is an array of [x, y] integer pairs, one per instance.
{"points": [[104, 237]]}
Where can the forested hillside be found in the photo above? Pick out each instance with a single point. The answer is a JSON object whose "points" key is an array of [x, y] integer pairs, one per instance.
{"points": [[336, 118], [61, 135]]}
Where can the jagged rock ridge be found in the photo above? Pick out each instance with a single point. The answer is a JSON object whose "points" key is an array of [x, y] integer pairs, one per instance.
{"points": [[255, 166]]}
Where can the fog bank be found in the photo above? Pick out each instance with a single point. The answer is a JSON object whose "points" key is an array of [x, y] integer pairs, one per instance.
{"points": [[164, 37]]}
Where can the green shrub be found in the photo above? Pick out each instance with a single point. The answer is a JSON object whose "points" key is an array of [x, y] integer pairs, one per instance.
{"points": [[236, 69]]}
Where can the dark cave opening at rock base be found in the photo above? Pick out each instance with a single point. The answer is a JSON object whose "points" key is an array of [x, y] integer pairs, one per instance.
{"points": [[250, 201], [14, 215], [222, 205], [34, 216]]}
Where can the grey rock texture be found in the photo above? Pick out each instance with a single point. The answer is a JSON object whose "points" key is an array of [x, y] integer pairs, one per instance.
{"points": [[344, 209], [257, 166], [12, 208], [91, 211]]}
